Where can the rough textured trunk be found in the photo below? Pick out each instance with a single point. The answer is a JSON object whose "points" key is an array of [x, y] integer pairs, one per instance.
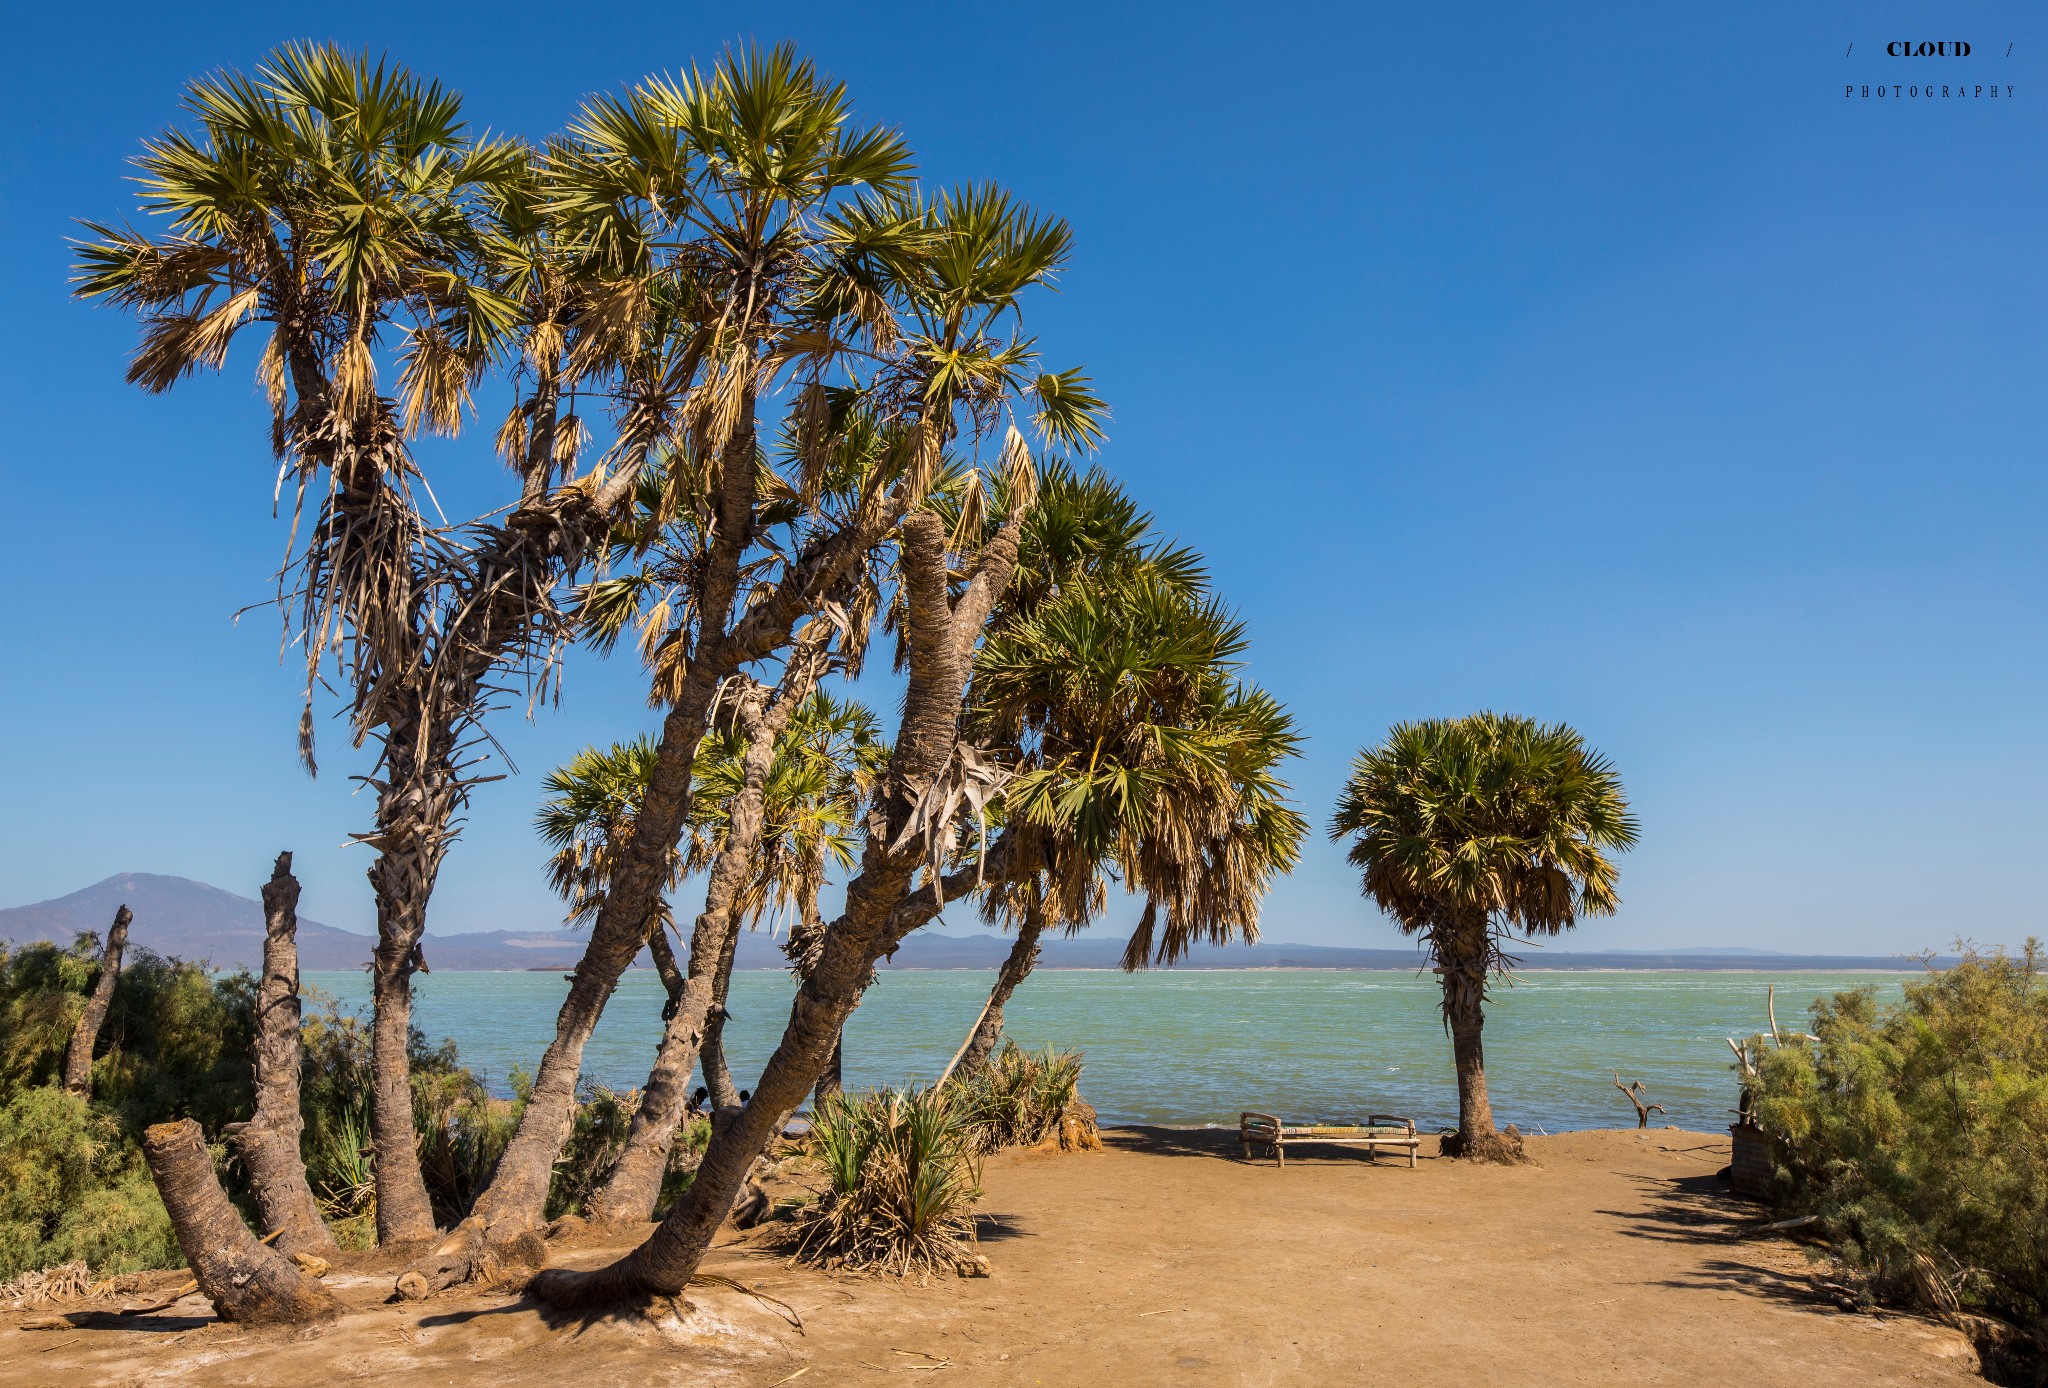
{"points": [[244, 1280], [989, 1029], [269, 1143], [717, 1070], [802, 947], [942, 633], [1475, 1111], [1465, 957], [517, 1196], [86, 1035], [634, 1185], [832, 1079], [415, 805]]}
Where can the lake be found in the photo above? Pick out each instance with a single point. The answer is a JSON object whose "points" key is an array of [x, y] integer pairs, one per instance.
{"points": [[1198, 1047]]}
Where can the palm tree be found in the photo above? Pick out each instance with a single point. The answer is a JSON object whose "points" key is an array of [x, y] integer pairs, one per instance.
{"points": [[822, 764], [342, 206], [1470, 829], [933, 291], [1139, 757]]}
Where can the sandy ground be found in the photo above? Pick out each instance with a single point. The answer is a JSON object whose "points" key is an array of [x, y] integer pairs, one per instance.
{"points": [[1163, 1259]]}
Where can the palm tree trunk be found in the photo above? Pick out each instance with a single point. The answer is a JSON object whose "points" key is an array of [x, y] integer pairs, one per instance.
{"points": [[1465, 957], [244, 1280], [268, 1143], [989, 1028], [86, 1035], [717, 1072], [1475, 1111], [832, 1079], [802, 949], [942, 633], [414, 809], [517, 1196], [634, 1185]]}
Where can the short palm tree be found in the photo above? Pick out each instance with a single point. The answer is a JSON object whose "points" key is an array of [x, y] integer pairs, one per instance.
{"points": [[1468, 830]]}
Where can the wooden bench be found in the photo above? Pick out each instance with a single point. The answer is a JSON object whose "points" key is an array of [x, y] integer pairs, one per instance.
{"points": [[1379, 1130]]}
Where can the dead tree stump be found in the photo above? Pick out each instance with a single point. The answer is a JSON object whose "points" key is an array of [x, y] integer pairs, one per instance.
{"points": [[269, 1143], [86, 1035], [246, 1281]]}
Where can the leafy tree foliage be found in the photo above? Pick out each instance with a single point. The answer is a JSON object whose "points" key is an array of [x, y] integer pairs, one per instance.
{"points": [[1919, 1133]]}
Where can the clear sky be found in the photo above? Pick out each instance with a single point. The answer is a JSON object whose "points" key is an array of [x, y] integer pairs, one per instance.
{"points": [[1600, 363]]}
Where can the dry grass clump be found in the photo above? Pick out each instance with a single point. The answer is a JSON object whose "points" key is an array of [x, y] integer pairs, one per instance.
{"points": [[902, 1179], [1024, 1098]]}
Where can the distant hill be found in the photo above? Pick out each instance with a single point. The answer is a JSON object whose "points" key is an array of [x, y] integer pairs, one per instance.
{"points": [[177, 916]]}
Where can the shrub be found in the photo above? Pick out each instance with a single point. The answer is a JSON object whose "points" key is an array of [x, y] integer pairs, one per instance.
{"points": [[1919, 1134], [595, 1141], [1021, 1099], [902, 1179], [73, 1187], [176, 1042]]}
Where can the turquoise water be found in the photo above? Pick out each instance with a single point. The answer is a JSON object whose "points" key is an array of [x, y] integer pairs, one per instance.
{"points": [[1198, 1047]]}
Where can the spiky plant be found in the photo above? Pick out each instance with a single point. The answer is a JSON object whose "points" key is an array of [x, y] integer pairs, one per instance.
{"points": [[902, 1179], [1023, 1098]]}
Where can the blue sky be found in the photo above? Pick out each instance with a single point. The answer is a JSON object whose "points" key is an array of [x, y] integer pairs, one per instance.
{"points": [[1603, 363]]}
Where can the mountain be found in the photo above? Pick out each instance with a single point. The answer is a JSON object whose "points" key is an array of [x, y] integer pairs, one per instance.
{"points": [[191, 920], [177, 916]]}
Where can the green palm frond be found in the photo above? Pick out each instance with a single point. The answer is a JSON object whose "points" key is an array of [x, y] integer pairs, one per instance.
{"points": [[1487, 816]]}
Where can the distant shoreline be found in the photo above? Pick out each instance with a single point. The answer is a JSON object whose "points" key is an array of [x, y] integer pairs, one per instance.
{"points": [[1744, 968]]}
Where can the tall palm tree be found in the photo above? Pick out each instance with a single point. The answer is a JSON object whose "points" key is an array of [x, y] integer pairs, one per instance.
{"points": [[1468, 830], [340, 208], [790, 241]]}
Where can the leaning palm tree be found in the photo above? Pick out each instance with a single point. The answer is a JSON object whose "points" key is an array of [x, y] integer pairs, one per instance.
{"points": [[1468, 830], [825, 765], [1140, 759], [823, 762]]}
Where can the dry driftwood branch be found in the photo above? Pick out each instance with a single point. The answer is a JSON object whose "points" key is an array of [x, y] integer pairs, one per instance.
{"points": [[86, 1035], [1635, 1091], [245, 1280]]}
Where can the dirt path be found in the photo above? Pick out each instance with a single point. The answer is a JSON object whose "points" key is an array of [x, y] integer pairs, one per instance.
{"points": [[1164, 1259]]}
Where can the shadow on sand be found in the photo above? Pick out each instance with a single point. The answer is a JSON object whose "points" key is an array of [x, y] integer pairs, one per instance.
{"points": [[1222, 1144], [1701, 1212]]}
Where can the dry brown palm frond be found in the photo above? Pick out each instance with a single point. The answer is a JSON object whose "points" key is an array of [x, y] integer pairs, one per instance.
{"points": [[970, 780]]}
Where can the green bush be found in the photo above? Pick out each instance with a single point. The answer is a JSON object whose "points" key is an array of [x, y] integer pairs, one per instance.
{"points": [[1019, 1098], [903, 1178], [73, 1187], [177, 1041], [1919, 1134]]}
